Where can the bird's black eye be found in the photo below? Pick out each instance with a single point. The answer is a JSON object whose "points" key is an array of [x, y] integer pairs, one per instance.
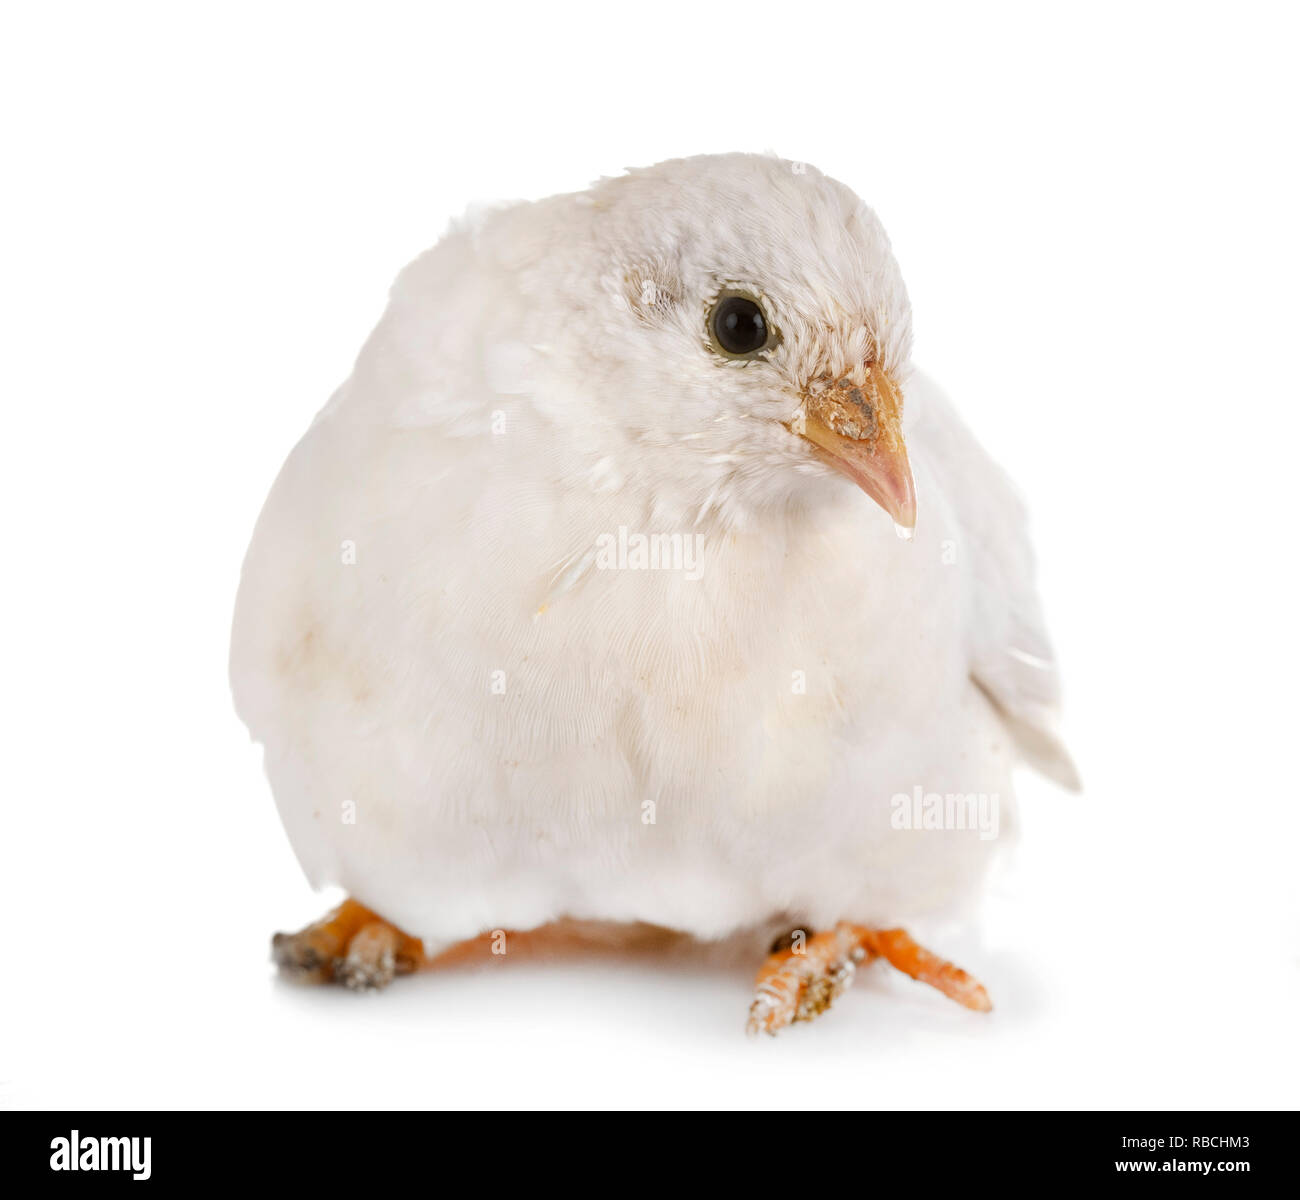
{"points": [[738, 326]]}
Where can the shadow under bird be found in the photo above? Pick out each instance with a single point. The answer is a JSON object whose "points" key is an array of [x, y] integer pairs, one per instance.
{"points": [[576, 606]]}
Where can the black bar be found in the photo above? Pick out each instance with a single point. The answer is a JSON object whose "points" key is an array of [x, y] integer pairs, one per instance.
{"points": [[384, 1151]]}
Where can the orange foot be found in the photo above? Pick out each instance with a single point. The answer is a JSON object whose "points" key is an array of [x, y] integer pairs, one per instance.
{"points": [[351, 946], [798, 983]]}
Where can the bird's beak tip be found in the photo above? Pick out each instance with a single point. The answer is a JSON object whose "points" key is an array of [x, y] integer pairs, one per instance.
{"points": [[857, 432], [905, 523]]}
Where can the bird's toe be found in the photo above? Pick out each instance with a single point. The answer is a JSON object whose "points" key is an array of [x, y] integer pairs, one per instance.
{"points": [[371, 960], [301, 959]]}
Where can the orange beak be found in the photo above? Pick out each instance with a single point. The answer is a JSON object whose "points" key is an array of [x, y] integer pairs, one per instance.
{"points": [[857, 430]]}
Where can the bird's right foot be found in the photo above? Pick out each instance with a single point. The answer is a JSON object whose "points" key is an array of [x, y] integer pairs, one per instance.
{"points": [[352, 946]]}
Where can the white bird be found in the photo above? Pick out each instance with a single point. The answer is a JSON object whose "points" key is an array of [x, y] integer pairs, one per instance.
{"points": [[576, 602]]}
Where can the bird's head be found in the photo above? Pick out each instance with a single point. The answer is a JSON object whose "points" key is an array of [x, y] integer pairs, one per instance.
{"points": [[738, 326]]}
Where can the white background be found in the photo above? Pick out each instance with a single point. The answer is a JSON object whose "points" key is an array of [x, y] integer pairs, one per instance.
{"points": [[1096, 217]]}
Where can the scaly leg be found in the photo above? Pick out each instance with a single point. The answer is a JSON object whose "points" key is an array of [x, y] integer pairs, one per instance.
{"points": [[798, 986]]}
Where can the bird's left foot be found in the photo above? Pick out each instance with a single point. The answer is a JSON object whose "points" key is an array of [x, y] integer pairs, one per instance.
{"points": [[801, 981]]}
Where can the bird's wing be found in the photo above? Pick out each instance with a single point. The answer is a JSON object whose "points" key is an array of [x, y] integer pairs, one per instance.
{"points": [[1011, 656]]}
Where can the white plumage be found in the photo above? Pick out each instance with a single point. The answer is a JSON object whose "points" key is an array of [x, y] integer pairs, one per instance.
{"points": [[473, 721]]}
